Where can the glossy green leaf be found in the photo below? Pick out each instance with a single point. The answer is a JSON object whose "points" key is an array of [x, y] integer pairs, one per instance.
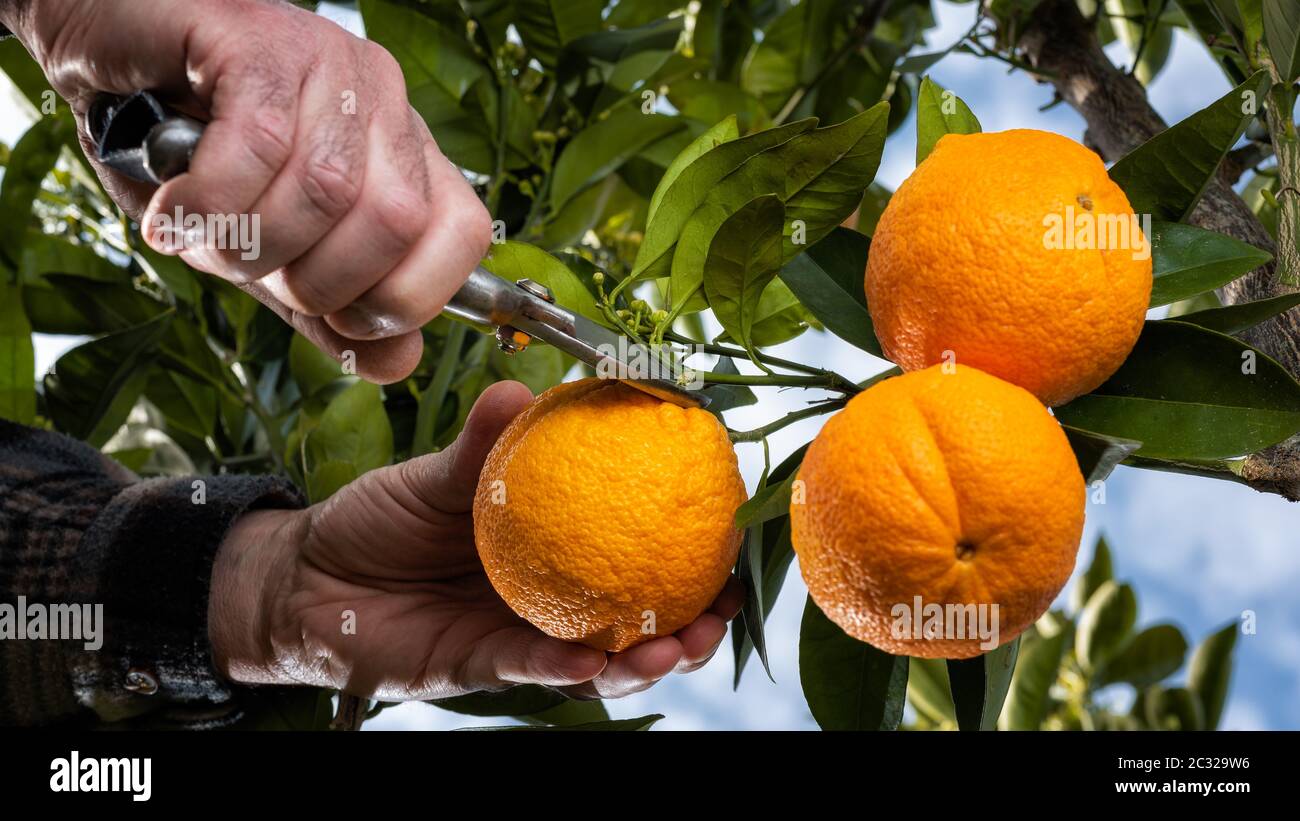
{"points": [[600, 149], [519, 260], [763, 580], [31, 159], [1187, 393], [710, 100], [749, 569], [1210, 672], [940, 112], [1153, 655], [849, 684], [979, 686], [929, 691], [18, 65], [770, 502], [1282, 34], [353, 436], [684, 195], [1166, 175], [1100, 571], [1105, 625], [725, 397], [311, 368], [829, 279], [778, 318], [547, 26], [625, 60], [1097, 454], [1186, 261], [93, 387], [1037, 667], [521, 700], [724, 132], [568, 713], [744, 256], [819, 175], [440, 68], [791, 52], [17, 358], [1233, 319]]}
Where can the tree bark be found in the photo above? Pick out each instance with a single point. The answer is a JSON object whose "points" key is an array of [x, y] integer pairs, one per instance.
{"points": [[1061, 44]]}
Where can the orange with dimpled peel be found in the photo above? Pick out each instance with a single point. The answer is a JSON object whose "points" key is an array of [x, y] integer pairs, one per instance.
{"points": [[954, 487], [605, 516], [1015, 253]]}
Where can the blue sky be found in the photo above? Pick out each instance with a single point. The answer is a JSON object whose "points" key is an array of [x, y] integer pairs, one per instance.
{"points": [[1199, 552]]}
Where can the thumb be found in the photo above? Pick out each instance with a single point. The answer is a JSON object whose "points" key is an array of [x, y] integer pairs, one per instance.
{"points": [[446, 481]]}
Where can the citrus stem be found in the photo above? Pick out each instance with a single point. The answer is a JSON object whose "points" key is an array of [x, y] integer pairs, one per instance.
{"points": [[841, 383], [779, 380], [760, 434]]}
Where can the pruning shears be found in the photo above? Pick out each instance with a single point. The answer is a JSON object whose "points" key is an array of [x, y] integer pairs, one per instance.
{"points": [[144, 139]]}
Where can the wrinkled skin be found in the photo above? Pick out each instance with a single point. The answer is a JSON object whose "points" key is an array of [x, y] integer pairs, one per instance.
{"points": [[366, 230], [396, 548]]}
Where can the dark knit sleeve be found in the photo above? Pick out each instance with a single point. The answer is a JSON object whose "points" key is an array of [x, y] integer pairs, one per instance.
{"points": [[135, 559]]}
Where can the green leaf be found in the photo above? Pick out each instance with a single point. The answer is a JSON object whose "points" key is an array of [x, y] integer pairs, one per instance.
{"points": [[725, 397], [521, 700], [616, 725], [820, 176], [352, 437], [440, 67], [1105, 625], [1037, 667], [311, 368], [763, 581], [940, 112], [1210, 672], [1097, 454], [724, 132], [26, 75], [711, 100], [778, 318], [1183, 394], [17, 358], [1186, 261], [1174, 708], [623, 60], [1282, 33], [1154, 654], [519, 260], [1166, 175], [749, 568], [1233, 319], [849, 684], [829, 279], [792, 51], [93, 387], [601, 149], [980, 684], [546, 26], [929, 691], [684, 195], [769, 502], [31, 159], [744, 256], [1100, 571]]}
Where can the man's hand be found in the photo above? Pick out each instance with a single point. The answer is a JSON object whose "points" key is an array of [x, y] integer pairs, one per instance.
{"points": [[396, 549], [366, 230]]}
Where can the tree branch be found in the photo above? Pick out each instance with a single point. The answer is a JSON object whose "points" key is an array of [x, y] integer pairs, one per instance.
{"points": [[1062, 47]]}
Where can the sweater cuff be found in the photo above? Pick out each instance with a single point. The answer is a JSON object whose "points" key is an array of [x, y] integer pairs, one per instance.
{"points": [[155, 543]]}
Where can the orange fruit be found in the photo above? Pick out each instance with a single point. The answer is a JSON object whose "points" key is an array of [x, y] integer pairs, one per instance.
{"points": [[605, 516], [955, 487], [965, 259]]}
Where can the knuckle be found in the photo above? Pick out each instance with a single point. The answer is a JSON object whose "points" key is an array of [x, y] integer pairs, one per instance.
{"points": [[401, 217], [385, 66], [473, 225], [266, 139], [328, 184]]}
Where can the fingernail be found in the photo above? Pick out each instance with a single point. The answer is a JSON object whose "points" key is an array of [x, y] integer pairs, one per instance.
{"points": [[358, 322]]}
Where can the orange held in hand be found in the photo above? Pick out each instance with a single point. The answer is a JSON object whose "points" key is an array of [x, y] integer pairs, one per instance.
{"points": [[604, 515], [1016, 253], [957, 488]]}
